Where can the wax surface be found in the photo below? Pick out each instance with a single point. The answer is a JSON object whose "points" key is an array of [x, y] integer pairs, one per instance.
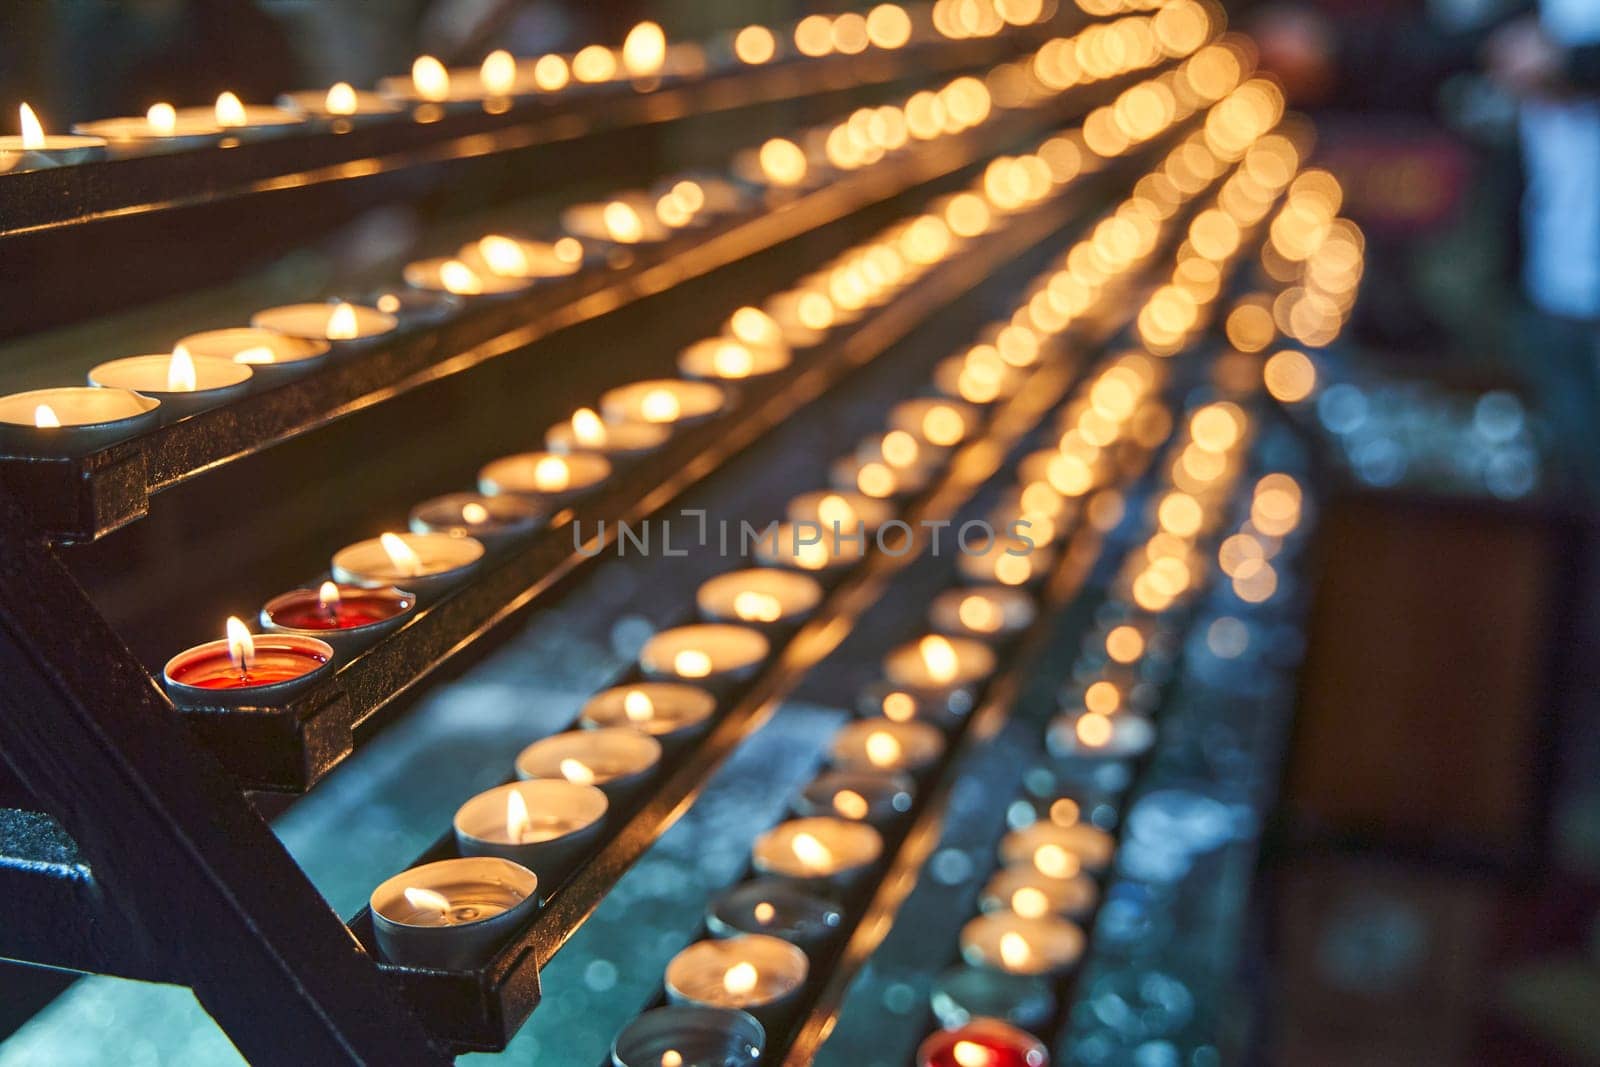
{"points": [[269, 667], [357, 607], [988, 1044]]}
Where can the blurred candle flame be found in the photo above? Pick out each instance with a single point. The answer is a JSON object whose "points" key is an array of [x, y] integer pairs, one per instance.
{"points": [[181, 376], [692, 663], [518, 822], [45, 417], [812, 854], [637, 706], [939, 656], [341, 99], [426, 899], [474, 513], [229, 110], [551, 474], [576, 771], [430, 78], [1014, 950], [850, 804], [342, 323], [328, 597], [406, 561], [499, 72], [883, 749], [459, 278], [741, 978], [587, 429], [161, 118], [644, 50], [659, 405]]}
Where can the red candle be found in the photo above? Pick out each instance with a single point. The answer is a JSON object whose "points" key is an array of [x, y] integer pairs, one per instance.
{"points": [[261, 668], [983, 1043], [349, 617]]}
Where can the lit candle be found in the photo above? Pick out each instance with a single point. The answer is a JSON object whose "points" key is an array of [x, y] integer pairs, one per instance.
{"points": [[986, 613], [544, 478], [72, 420], [1031, 894], [876, 478], [668, 711], [1059, 851], [424, 564], [709, 654], [495, 521], [184, 383], [940, 707], [821, 853], [804, 316], [33, 149], [270, 355], [432, 83], [449, 274], [1092, 735], [730, 360], [876, 798], [776, 908], [982, 1043], [809, 546], [547, 826], [454, 914], [326, 322], [880, 746], [618, 759], [663, 401], [630, 219], [846, 511], [690, 1035], [977, 380], [942, 423], [1006, 941], [644, 51], [758, 597], [246, 670], [750, 972], [1007, 562], [936, 662], [160, 129], [247, 122], [586, 431], [348, 617], [778, 164], [515, 257], [341, 105]]}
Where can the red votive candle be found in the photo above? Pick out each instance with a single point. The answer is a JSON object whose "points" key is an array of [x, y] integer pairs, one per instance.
{"points": [[983, 1043], [348, 617], [247, 669]]}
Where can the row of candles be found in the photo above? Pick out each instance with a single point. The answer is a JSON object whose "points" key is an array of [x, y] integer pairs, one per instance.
{"points": [[128, 395], [722, 1024]]}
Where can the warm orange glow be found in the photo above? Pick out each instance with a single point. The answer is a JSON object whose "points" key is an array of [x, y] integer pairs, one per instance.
{"points": [[32, 129], [596, 63], [1094, 730], [622, 222], [1030, 903], [755, 45], [518, 821], [741, 978], [1124, 644], [644, 50], [162, 118], [1053, 861], [875, 480], [342, 323], [587, 429], [732, 360], [241, 647], [782, 162], [341, 100], [426, 899], [659, 405], [401, 555], [45, 417], [691, 663], [850, 804], [899, 707], [765, 912], [181, 376], [883, 749], [1064, 811], [551, 474], [458, 278], [229, 111], [576, 771], [1014, 950], [939, 657], [752, 606], [888, 26], [550, 73], [474, 513], [1289, 376], [812, 853], [498, 72], [430, 79], [637, 706], [977, 612], [972, 1054]]}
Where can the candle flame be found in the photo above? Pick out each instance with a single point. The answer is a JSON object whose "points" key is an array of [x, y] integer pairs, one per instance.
{"points": [[1054, 861], [692, 663], [518, 822], [459, 278], [474, 513], [594, 63], [752, 606], [430, 79], [978, 612], [576, 771], [637, 706], [812, 854], [659, 405], [622, 222], [426, 899], [939, 656], [241, 648], [550, 73], [900, 449], [782, 162], [733, 360], [401, 555], [834, 510], [255, 355], [672, 1058], [1014, 950], [972, 1054], [765, 912], [644, 50], [899, 707], [883, 749], [551, 474], [741, 978], [181, 377], [499, 72], [341, 99], [850, 804], [162, 118], [32, 131], [1030, 902], [1094, 729], [587, 429], [754, 45], [504, 255], [45, 417], [755, 327], [328, 597], [943, 425], [229, 110], [342, 323]]}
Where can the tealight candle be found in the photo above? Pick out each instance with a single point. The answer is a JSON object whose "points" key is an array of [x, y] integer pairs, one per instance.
{"points": [[545, 825], [664, 401], [246, 670], [586, 431], [1031, 894], [447, 274], [342, 105], [496, 521], [937, 662], [749, 972], [711, 654], [625, 220], [326, 322], [844, 510], [876, 478], [183, 383], [776, 908], [452, 915], [804, 317], [434, 85], [617, 759], [160, 129], [247, 122], [668, 711], [1059, 851], [33, 149], [690, 1035], [72, 420], [758, 596], [348, 617], [977, 381], [1112, 690], [942, 423], [1007, 563], [809, 546], [876, 798], [982, 1043], [411, 307], [884, 747], [544, 477], [1091, 735], [1006, 941], [821, 853], [962, 994], [941, 707], [516, 257], [986, 613], [730, 359], [272, 356], [425, 564]]}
